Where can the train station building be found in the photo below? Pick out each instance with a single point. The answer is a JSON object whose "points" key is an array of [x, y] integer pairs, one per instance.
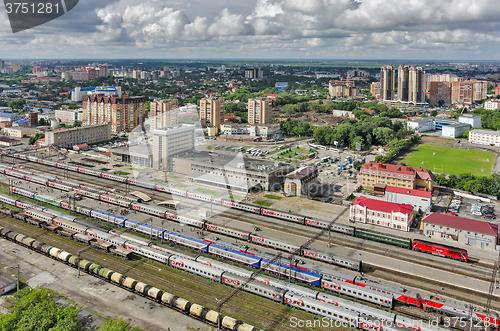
{"points": [[466, 231], [392, 215]]}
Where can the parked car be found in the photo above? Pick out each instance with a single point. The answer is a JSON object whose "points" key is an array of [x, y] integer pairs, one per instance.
{"points": [[451, 213], [490, 216]]}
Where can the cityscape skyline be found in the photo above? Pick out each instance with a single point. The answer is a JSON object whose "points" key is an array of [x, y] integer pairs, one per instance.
{"points": [[261, 29]]}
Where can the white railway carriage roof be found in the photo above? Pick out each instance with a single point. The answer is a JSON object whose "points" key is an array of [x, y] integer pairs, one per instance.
{"points": [[256, 283], [224, 266]]}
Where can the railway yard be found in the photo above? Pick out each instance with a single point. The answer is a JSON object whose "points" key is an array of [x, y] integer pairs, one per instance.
{"points": [[373, 264]]}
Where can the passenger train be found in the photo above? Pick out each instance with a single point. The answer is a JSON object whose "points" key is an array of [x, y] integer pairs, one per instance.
{"points": [[338, 311], [379, 293], [426, 247]]}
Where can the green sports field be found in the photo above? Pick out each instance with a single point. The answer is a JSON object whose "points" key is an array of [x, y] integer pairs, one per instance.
{"points": [[451, 160]]}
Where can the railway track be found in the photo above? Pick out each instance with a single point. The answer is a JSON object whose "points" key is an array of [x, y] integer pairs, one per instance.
{"points": [[141, 268], [478, 272], [193, 288]]}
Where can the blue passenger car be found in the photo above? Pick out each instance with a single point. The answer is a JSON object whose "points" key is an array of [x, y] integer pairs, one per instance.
{"points": [[186, 241], [232, 254], [285, 269]]}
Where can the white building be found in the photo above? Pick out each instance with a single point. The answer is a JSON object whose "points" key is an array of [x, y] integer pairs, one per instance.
{"points": [[419, 199], [5, 110], [76, 136], [455, 130], [473, 120], [421, 125], [492, 105], [484, 137], [170, 142], [68, 116], [383, 213], [78, 92], [264, 130]]}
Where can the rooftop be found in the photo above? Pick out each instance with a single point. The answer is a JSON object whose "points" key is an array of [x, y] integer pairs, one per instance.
{"points": [[9, 115], [458, 125], [422, 120], [401, 190], [496, 133], [384, 206], [461, 223], [6, 279], [302, 172]]}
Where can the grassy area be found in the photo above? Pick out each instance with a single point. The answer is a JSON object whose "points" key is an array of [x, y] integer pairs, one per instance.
{"points": [[262, 203], [161, 181], [206, 191], [173, 176], [275, 197], [288, 155], [123, 173], [135, 169], [236, 197], [451, 160], [181, 185], [301, 150]]}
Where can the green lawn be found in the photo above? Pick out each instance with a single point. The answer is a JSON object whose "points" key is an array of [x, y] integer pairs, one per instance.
{"points": [[206, 191], [262, 203], [451, 160], [288, 155], [123, 173], [236, 197], [273, 152], [301, 150], [162, 181], [135, 169], [275, 197], [180, 185]]}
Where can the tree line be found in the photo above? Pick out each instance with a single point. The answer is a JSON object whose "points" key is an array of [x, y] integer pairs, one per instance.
{"points": [[368, 131], [469, 182]]}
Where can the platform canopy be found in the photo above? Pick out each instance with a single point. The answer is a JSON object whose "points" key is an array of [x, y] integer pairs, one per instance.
{"points": [[141, 196]]}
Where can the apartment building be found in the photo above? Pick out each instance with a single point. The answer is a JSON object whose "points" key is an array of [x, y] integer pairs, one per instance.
{"points": [[387, 82], [254, 73], [211, 111], [33, 118], [81, 135], [163, 113], [403, 80], [375, 89], [169, 142], [342, 88], [484, 137], [429, 78], [125, 113], [383, 213], [453, 93], [416, 84], [395, 175], [259, 111]]}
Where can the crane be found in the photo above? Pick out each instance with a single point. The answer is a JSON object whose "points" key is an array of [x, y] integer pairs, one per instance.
{"points": [[440, 99]]}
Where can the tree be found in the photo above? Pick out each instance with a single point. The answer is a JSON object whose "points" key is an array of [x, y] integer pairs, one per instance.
{"points": [[34, 309], [43, 122], [434, 112]]}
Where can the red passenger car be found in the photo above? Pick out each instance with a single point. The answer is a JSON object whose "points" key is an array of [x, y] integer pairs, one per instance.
{"points": [[441, 250]]}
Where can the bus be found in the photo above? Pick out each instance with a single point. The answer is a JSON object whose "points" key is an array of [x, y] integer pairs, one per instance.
{"points": [[325, 159]]}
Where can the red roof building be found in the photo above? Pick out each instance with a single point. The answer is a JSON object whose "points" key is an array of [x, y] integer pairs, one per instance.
{"points": [[372, 173], [392, 215], [383, 213], [466, 231]]}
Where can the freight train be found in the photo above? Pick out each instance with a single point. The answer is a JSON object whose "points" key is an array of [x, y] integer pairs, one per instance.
{"points": [[148, 291], [426, 247], [359, 287], [335, 311]]}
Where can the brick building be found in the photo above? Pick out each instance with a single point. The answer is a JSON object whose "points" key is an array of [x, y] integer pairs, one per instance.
{"points": [[395, 175]]}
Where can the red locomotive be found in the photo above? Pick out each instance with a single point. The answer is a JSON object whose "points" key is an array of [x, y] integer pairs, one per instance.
{"points": [[441, 250]]}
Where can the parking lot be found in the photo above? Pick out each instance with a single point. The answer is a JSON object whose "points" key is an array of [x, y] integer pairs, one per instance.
{"points": [[475, 209]]}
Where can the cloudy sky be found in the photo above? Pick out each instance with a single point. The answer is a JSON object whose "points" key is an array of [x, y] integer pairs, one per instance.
{"points": [[264, 29]]}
